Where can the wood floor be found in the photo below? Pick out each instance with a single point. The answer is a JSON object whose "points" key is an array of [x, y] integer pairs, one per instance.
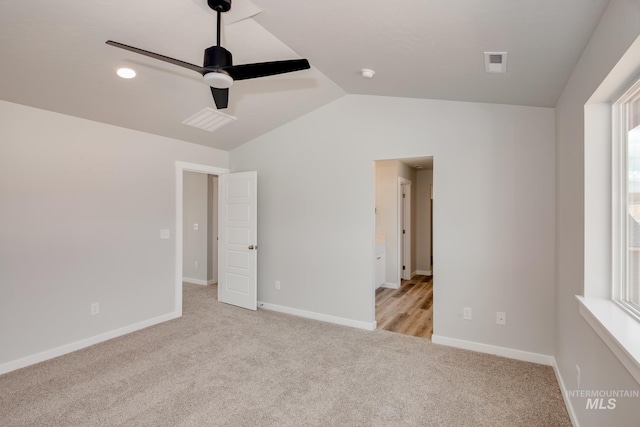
{"points": [[407, 310]]}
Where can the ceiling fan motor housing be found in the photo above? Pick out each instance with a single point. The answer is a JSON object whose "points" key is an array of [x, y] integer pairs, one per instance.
{"points": [[217, 57]]}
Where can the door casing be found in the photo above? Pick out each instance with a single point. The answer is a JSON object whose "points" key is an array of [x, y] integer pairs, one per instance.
{"points": [[181, 167]]}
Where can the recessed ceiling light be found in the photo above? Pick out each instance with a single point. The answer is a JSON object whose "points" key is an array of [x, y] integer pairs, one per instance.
{"points": [[126, 73]]}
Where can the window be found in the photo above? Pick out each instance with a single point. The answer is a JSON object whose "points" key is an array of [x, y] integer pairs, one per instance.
{"points": [[610, 176], [626, 136]]}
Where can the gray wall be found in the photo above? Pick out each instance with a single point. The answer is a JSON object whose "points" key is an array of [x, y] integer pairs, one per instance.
{"points": [[212, 235], [196, 200], [83, 204], [424, 180], [576, 342], [319, 243]]}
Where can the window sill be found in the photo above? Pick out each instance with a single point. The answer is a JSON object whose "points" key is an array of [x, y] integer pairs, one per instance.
{"points": [[617, 329]]}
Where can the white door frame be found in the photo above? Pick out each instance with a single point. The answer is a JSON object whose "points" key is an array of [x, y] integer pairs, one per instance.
{"points": [[404, 218], [181, 167]]}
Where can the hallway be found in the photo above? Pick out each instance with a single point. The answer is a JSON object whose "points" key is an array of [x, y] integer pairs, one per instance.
{"points": [[407, 310]]}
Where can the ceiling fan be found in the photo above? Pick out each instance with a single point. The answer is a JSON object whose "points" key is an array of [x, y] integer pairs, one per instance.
{"points": [[218, 70]]}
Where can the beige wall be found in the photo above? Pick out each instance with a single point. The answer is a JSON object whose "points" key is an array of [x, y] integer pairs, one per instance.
{"points": [[386, 187]]}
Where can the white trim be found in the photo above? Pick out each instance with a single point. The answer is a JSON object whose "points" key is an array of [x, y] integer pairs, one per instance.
{"points": [[565, 395], [199, 281], [616, 328], [194, 167], [423, 272], [390, 285], [510, 353], [87, 342], [369, 326], [180, 168]]}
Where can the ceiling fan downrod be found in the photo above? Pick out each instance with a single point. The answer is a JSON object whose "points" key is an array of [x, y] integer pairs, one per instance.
{"points": [[219, 6]]}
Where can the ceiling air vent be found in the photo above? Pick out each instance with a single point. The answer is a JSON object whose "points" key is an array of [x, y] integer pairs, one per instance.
{"points": [[209, 120], [495, 62]]}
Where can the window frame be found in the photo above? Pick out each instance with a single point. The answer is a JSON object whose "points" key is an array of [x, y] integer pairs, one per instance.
{"points": [[620, 127], [613, 324]]}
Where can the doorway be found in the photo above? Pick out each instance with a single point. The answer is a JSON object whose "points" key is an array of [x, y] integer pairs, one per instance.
{"points": [[237, 228], [200, 228], [404, 297], [181, 169]]}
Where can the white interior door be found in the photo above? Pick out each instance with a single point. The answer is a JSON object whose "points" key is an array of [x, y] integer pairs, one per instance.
{"points": [[237, 245]]}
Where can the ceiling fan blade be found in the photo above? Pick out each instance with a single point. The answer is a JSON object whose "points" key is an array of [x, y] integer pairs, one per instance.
{"points": [[177, 62], [220, 97], [263, 69]]}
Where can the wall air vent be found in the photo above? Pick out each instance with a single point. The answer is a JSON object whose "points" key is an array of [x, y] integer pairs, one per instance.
{"points": [[209, 120], [495, 62]]}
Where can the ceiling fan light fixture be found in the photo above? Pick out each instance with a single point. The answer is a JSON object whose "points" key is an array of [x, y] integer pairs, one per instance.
{"points": [[218, 80]]}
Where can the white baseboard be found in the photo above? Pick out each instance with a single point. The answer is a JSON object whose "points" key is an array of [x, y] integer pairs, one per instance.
{"points": [[69, 348], [510, 353], [199, 281], [390, 285], [369, 326], [423, 272], [565, 396]]}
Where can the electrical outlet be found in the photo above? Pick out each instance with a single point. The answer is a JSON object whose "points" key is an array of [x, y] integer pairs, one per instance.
{"points": [[278, 284], [501, 318], [466, 313], [578, 375], [95, 308], [196, 264]]}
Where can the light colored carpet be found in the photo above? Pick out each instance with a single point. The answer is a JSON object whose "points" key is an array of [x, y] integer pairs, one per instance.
{"points": [[224, 366]]}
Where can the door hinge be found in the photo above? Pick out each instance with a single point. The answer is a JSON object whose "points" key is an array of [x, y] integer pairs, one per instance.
{"points": [[403, 268], [404, 231]]}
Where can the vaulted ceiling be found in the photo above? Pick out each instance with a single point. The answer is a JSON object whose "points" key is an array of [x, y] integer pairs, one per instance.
{"points": [[53, 56]]}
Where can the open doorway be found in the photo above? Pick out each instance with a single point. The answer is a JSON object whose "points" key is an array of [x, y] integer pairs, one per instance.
{"points": [[237, 229], [403, 284], [183, 168], [200, 228]]}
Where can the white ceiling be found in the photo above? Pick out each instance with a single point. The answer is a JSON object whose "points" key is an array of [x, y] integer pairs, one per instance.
{"points": [[53, 56]]}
